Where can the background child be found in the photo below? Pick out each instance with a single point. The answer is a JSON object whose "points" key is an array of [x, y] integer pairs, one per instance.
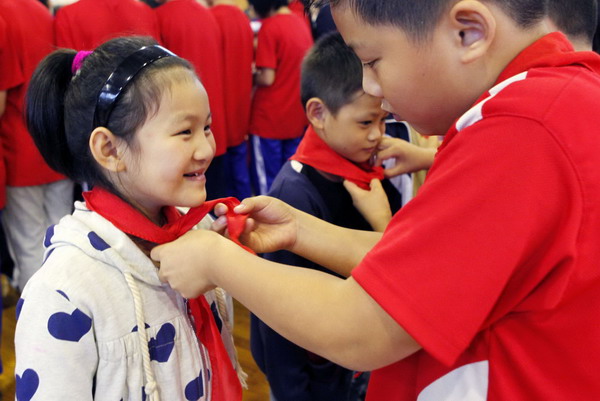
{"points": [[132, 120], [237, 59], [497, 308], [277, 119], [346, 126], [37, 196]]}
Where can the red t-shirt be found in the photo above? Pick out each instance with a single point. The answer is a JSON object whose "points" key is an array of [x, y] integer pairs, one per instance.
{"points": [[297, 7], [277, 112], [190, 30], [238, 55], [7, 63], [88, 23], [493, 266], [30, 30]]}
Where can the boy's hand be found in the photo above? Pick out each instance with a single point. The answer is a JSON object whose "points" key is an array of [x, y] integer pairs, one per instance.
{"points": [[271, 226], [186, 263], [408, 157], [373, 205]]}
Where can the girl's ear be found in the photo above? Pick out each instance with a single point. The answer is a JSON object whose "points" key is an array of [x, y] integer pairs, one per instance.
{"points": [[316, 111], [104, 146], [475, 28]]}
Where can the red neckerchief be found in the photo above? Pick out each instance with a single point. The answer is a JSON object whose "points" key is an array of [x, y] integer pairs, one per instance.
{"points": [[316, 153], [225, 383], [552, 50]]}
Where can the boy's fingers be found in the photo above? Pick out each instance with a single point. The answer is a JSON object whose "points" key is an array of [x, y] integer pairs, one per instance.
{"points": [[155, 253], [220, 209]]}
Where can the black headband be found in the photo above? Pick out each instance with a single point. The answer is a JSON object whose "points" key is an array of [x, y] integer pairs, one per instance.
{"points": [[122, 76]]}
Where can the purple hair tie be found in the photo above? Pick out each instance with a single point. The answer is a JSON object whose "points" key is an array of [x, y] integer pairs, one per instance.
{"points": [[78, 60]]}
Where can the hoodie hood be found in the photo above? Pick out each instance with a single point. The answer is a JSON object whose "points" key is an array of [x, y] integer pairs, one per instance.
{"points": [[101, 240]]}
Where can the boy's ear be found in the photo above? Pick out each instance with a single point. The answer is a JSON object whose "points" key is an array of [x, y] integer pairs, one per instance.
{"points": [[316, 112], [104, 146], [475, 28]]}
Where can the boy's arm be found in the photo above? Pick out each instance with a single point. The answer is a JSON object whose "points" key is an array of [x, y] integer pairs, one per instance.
{"points": [[264, 76], [332, 317], [2, 103]]}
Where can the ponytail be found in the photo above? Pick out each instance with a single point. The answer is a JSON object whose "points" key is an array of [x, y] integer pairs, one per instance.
{"points": [[44, 110]]}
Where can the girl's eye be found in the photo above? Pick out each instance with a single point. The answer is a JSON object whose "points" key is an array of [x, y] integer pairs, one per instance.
{"points": [[370, 64], [365, 123], [207, 129], [185, 132]]}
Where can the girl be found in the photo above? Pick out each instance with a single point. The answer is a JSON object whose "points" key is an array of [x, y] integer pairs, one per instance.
{"points": [[131, 120]]}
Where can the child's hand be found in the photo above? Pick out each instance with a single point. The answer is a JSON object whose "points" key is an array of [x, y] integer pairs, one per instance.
{"points": [[373, 205], [187, 263], [271, 226], [408, 157]]}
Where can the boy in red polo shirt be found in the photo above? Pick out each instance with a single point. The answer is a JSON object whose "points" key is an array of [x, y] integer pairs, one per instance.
{"points": [[481, 287], [86, 24], [189, 29], [277, 121], [237, 58], [37, 196]]}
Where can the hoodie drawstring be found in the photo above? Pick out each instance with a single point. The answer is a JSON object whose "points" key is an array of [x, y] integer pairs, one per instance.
{"points": [[150, 387]]}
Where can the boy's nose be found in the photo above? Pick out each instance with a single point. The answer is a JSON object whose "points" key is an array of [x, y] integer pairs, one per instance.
{"points": [[370, 84], [376, 132]]}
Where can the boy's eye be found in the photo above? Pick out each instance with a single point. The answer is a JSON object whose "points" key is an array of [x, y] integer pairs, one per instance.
{"points": [[185, 132], [207, 129], [365, 123]]}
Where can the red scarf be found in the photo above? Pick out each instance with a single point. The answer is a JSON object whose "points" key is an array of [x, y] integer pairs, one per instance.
{"points": [[225, 383], [316, 153]]}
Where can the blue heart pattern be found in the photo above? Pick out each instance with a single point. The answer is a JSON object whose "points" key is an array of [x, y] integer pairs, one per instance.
{"points": [[97, 242], [194, 389], [49, 235], [161, 347], [73, 327], [27, 385], [20, 303]]}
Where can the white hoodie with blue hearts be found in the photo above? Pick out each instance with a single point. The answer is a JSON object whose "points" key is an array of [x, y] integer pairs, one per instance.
{"points": [[78, 337]]}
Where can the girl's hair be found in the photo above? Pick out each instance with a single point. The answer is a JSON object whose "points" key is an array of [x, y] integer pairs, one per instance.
{"points": [[60, 105], [264, 7]]}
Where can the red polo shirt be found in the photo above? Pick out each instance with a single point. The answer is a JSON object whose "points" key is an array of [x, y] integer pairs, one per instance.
{"points": [[88, 23], [238, 55], [30, 33], [493, 266]]}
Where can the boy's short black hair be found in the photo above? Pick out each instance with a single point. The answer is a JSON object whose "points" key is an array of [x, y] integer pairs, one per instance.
{"points": [[331, 72], [575, 18], [264, 7], [419, 18]]}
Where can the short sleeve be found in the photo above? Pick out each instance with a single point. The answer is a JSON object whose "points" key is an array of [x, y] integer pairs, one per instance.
{"points": [[266, 48]]}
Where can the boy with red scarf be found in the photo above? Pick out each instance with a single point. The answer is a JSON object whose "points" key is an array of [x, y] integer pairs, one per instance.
{"points": [[346, 125], [497, 308]]}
